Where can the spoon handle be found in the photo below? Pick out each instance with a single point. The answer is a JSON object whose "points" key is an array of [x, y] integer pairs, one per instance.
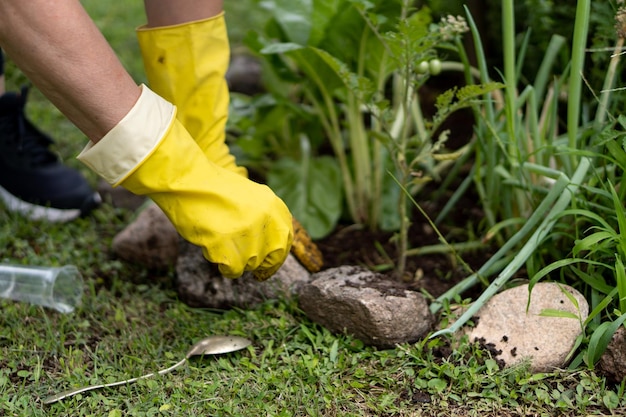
{"points": [[58, 397]]}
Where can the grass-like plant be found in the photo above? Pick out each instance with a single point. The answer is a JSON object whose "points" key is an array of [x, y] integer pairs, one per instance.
{"points": [[554, 195]]}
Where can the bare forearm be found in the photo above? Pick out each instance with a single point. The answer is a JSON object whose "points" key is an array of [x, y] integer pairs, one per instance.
{"points": [[62, 52], [174, 12]]}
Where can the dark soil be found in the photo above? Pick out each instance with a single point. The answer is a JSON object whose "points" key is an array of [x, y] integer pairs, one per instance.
{"points": [[434, 274]]}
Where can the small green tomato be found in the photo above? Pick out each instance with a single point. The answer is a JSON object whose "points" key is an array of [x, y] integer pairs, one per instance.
{"points": [[422, 67], [434, 65]]}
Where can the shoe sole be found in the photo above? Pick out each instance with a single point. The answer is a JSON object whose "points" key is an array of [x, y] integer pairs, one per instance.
{"points": [[50, 214]]}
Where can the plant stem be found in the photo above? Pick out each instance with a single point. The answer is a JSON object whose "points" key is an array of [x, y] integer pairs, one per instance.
{"points": [[404, 168], [609, 81], [486, 148], [579, 42], [330, 122], [378, 150], [508, 37], [446, 248], [360, 159]]}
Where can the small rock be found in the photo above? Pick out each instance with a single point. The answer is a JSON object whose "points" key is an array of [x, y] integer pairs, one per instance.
{"points": [[612, 363], [200, 284], [119, 197], [513, 335], [150, 240], [372, 308], [244, 75]]}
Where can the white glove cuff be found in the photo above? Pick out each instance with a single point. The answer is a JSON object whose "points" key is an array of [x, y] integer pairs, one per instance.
{"points": [[127, 145]]}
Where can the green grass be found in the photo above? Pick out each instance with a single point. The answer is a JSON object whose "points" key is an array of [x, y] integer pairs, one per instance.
{"points": [[131, 323], [293, 368]]}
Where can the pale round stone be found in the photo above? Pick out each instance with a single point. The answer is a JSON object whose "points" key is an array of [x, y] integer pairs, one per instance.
{"points": [[515, 334]]}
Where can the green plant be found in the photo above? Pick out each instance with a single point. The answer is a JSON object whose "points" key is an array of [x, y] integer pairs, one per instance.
{"points": [[361, 83], [523, 173], [303, 68]]}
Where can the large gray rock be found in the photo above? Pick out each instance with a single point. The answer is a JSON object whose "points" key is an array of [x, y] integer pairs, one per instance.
{"points": [[372, 308], [200, 284], [514, 334]]}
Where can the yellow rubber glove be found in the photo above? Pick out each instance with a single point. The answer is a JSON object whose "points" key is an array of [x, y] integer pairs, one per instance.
{"points": [[239, 224], [186, 64]]}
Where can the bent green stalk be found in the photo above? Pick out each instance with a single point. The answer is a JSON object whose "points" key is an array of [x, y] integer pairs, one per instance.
{"points": [[531, 244]]}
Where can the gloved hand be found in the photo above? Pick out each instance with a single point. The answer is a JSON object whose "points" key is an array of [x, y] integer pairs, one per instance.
{"points": [[239, 224], [186, 64]]}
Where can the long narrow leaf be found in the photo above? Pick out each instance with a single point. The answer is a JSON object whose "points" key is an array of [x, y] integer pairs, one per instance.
{"points": [[550, 312], [543, 74], [558, 265], [600, 339], [599, 308]]}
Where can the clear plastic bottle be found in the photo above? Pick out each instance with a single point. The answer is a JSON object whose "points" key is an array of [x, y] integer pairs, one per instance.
{"points": [[60, 288]]}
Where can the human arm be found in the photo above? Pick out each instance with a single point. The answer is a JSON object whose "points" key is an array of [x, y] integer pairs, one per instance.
{"points": [[240, 225]]}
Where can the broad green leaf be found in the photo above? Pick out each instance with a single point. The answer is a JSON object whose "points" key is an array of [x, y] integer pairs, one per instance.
{"points": [[324, 12], [610, 400], [311, 190], [278, 75], [357, 385], [294, 17], [437, 384]]}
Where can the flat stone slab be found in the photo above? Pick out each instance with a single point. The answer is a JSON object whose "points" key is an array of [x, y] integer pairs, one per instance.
{"points": [[353, 300], [514, 334]]}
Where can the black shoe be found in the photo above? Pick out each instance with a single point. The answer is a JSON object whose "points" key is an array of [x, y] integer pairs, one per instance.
{"points": [[33, 181]]}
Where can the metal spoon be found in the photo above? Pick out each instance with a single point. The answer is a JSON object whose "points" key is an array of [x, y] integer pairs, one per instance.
{"points": [[212, 345]]}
